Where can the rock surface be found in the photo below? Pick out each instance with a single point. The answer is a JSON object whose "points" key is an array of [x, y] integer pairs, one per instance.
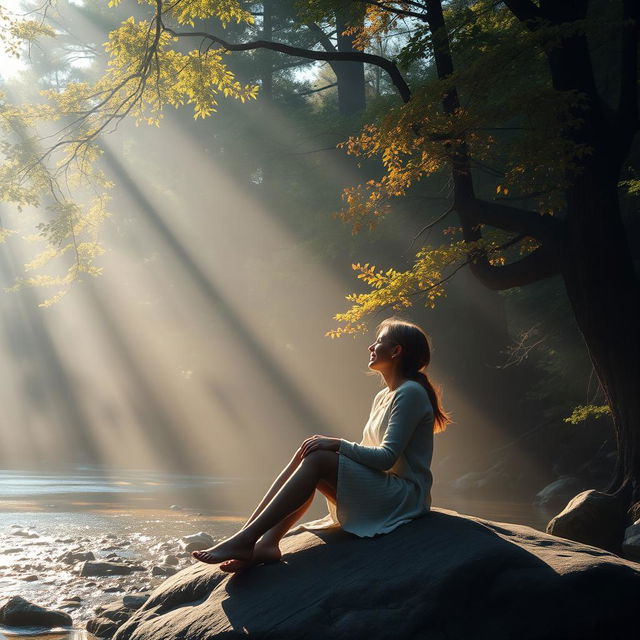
{"points": [[196, 542], [71, 557], [631, 543], [18, 612], [594, 518], [164, 570], [441, 576], [111, 617], [96, 568]]}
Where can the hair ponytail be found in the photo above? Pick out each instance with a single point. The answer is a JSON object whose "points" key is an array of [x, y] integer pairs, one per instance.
{"points": [[416, 355], [440, 417]]}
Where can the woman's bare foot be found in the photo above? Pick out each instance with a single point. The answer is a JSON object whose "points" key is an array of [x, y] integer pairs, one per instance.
{"points": [[237, 547], [262, 554]]}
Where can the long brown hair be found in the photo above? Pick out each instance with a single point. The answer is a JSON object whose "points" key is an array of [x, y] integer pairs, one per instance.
{"points": [[414, 359]]}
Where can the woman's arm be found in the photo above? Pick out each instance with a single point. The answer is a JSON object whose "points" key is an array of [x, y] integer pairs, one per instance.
{"points": [[408, 407]]}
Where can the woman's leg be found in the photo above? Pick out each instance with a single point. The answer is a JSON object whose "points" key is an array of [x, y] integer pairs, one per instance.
{"points": [[285, 474], [267, 549], [319, 466]]}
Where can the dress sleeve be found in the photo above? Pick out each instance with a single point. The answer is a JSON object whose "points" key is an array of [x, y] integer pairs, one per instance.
{"points": [[408, 407]]}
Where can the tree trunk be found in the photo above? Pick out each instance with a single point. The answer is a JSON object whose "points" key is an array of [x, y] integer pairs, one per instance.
{"points": [[604, 293], [266, 90], [351, 85], [597, 265]]}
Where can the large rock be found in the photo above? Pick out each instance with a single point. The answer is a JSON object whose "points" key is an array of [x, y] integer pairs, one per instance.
{"points": [[441, 576], [18, 612], [594, 518]]}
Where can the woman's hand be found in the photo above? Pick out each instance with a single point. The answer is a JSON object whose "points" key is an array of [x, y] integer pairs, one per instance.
{"points": [[319, 443]]}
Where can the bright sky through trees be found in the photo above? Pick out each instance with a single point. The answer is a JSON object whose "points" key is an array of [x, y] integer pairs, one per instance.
{"points": [[10, 65]]}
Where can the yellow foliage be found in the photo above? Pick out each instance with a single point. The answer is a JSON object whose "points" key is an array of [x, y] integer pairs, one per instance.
{"points": [[145, 74], [426, 279]]}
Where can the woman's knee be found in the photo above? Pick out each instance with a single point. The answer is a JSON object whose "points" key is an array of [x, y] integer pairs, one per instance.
{"points": [[325, 462]]}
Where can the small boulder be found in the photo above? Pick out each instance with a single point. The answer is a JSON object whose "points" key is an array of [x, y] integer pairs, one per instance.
{"points": [[92, 568], [594, 518], [196, 542], [25, 534], [631, 542], [171, 560], [71, 557], [18, 612], [558, 491]]}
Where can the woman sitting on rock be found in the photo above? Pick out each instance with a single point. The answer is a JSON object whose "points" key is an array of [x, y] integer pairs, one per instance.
{"points": [[372, 487]]}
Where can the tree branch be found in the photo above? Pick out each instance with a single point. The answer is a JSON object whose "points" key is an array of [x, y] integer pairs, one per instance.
{"points": [[538, 265], [396, 10], [328, 56], [310, 91], [321, 36], [503, 216], [525, 11]]}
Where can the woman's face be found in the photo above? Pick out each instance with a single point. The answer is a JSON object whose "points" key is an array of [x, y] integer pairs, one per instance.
{"points": [[382, 352]]}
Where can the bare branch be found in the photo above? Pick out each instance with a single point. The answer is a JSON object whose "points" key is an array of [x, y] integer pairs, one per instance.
{"points": [[321, 36], [429, 227], [328, 56], [310, 91], [397, 10]]}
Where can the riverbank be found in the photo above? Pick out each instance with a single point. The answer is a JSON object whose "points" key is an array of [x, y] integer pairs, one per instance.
{"points": [[51, 523]]}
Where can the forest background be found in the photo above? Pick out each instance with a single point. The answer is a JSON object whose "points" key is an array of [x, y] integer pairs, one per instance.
{"points": [[527, 403]]}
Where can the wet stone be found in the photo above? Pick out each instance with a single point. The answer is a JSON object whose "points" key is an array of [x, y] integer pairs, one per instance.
{"points": [[71, 557], [96, 568], [18, 612]]}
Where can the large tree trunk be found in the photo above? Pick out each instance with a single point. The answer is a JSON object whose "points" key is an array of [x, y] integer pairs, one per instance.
{"points": [[350, 76], [605, 297], [597, 264]]}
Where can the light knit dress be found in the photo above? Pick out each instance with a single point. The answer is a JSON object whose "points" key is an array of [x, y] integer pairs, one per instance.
{"points": [[385, 481]]}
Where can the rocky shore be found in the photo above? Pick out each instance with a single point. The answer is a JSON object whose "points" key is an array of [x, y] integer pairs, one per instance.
{"points": [[131, 576], [90, 579]]}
